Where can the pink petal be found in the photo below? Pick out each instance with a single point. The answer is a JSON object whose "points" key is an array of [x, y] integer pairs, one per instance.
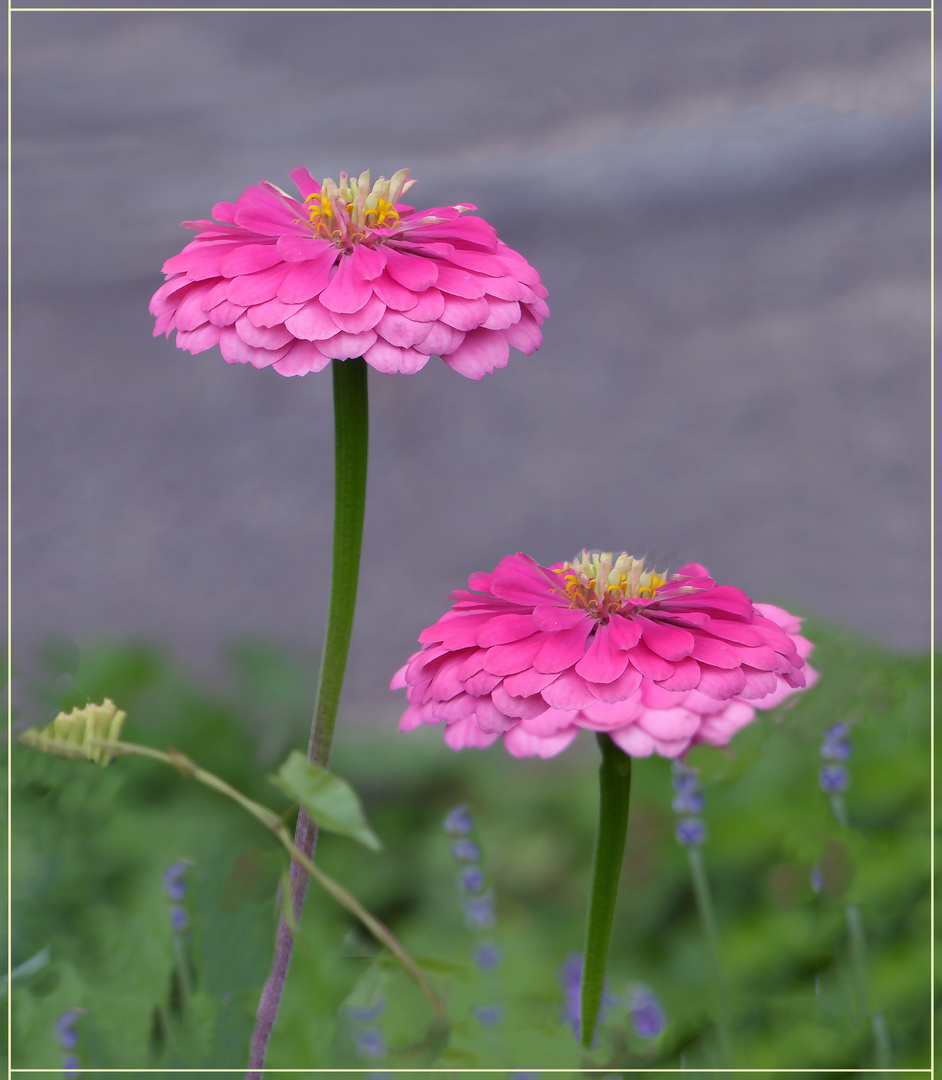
{"points": [[347, 290], [563, 648], [306, 280], [306, 183], [720, 683], [490, 718], [303, 357], [569, 691], [520, 744], [685, 676], [445, 682], [481, 352], [622, 688], [503, 629], [626, 633], [261, 337], [669, 724], [717, 730], [553, 616], [415, 273], [272, 312], [414, 717], [247, 258], [429, 306], [524, 335], [633, 740], [649, 663], [502, 314], [441, 340], [528, 682], [759, 684], [466, 733], [348, 346], [464, 314], [364, 319], [456, 708], [192, 312], [256, 288], [400, 330], [481, 683], [393, 294], [196, 341], [513, 657], [458, 283], [385, 357], [602, 662], [606, 715], [710, 650], [521, 707], [302, 248], [671, 642], [312, 322]]}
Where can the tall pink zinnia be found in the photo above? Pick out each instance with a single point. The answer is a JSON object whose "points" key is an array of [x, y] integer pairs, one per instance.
{"points": [[349, 271], [534, 653]]}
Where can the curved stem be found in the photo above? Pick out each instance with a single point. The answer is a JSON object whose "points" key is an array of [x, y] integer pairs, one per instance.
{"points": [[614, 794], [701, 889], [351, 431]]}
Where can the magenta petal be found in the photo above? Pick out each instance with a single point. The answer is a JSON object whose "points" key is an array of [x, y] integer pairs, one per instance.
{"points": [[602, 662], [481, 683], [261, 337], [196, 341], [385, 357], [633, 740], [446, 683], [394, 295], [622, 688], [685, 676], [312, 323], [227, 314], [554, 616], [348, 346], [490, 718], [649, 663], [429, 306], [720, 683], [307, 279], [528, 682], [466, 733], [364, 319], [456, 708], [480, 353], [626, 633], [400, 330], [759, 684], [412, 271], [191, 311], [524, 335], [669, 724], [302, 358], [464, 314], [514, 657], [569, 691], [710, 650], [521, 744], [272, 312], [441, 340], [520, 707], [247, 258], [501, 314], [503, 629], [609, 715], [671, 642], [563, 648], [346, 291], [458, 282]]}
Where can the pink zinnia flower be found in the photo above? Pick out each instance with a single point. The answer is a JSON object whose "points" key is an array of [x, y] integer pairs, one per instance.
{"points": [[535, 653], [349, 271]]}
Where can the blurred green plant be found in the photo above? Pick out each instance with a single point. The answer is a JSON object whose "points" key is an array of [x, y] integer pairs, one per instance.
{"points": [[91, 925]]}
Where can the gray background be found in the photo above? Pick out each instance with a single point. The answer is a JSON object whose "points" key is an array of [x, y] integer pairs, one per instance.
{"points": [[730, 212]]}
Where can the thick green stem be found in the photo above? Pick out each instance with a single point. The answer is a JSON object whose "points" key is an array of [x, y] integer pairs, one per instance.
{"points": [[351, 437], [614, 794]]}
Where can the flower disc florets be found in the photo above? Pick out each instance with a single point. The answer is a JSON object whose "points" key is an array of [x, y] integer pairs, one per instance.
{"points": [[348, 270], [533, 653]]}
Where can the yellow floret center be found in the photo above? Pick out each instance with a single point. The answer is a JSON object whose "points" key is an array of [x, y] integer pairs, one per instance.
{"points": [[599, 583], [346, 211]]}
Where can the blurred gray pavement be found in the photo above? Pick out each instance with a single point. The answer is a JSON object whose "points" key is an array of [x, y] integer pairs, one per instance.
{"points": [[731, 213]]}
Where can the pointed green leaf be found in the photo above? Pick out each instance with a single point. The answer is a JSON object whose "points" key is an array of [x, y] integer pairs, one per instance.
{"points": [[330, 801]]}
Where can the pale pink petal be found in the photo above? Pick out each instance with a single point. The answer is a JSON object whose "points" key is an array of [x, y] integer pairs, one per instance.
{"points": [[669, 724], [481, 352], [464, 314], [685, 676], [196, 341], [441, 341], [568, 691], [608, 715], [429, 306], [720, 683], [348, 346], [525, 335], [623, 687], [302, 358], [364, 319], [520, 744], [226, 314], [502, 314], [490, 718], [481, 683], [633, 740], [385, 357], [400, 330], [520, 707], [528, 682], [261, 337], [466, 733]]}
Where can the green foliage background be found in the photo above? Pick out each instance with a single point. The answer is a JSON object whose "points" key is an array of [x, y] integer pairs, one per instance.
{"points": [[90, 847]]}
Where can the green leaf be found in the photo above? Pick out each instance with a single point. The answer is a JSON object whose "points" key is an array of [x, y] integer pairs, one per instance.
{"points": [[330, 801]]}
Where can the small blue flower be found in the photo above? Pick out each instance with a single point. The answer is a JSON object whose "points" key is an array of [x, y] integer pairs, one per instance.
{"points": [[833, 778], [65, 1029], [683, 778], [817, 881], [487, 956], [472, 878], [458, 822], [370, 1042], [487, 1014], [570, 975], [178, 918], [479, 910], [688, 802], [465, 851], [70, 1067], [647, 1013], [691, 832], [174, 885]]}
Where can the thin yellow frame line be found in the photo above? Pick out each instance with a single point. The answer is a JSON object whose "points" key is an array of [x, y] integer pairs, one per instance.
{"points": [[449, 10], [932, 527], [9, 534]]}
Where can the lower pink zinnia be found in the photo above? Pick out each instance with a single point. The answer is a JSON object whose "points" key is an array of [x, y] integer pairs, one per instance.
{"points": [[534, 653]]}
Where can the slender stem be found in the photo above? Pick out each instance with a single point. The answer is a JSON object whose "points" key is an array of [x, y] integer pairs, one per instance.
{"points": [[614, 794], [701, 888], [858, 951], [351, 431]]}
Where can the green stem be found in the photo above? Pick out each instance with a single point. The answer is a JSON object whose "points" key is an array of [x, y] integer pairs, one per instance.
{"points": [[858, 951], [701, 888], [614, 794], [351, 438]]}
